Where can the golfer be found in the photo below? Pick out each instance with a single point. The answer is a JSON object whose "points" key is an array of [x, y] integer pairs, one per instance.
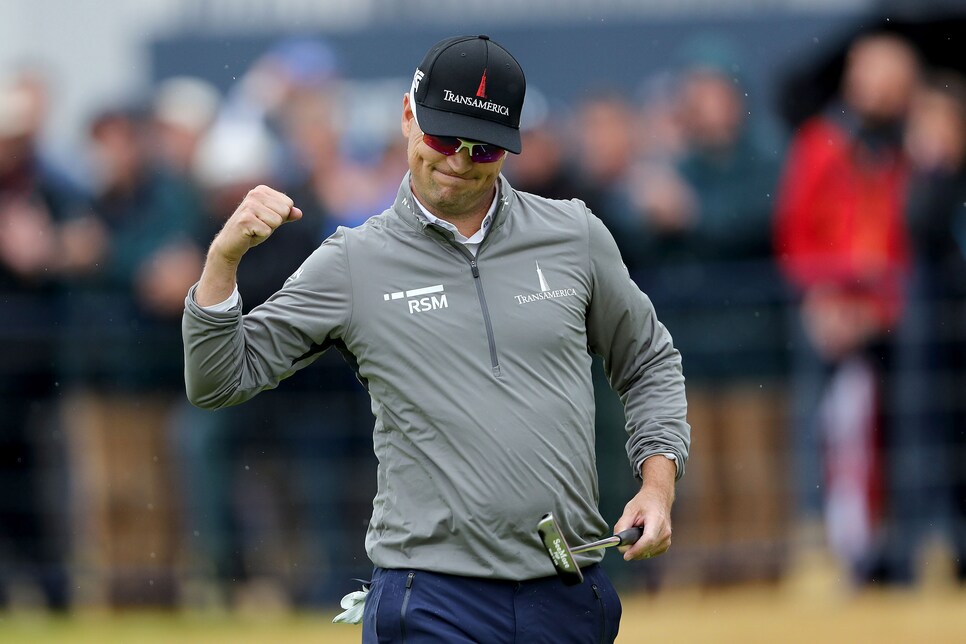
{"points": [[469, 311]]}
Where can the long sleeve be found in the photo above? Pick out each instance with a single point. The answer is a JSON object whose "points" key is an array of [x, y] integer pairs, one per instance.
{"points": [[641, 362], [229, 357]]}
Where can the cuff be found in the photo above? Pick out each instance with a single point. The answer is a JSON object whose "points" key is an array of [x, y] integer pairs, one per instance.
{"points": [[671, 456], [225, 306]]}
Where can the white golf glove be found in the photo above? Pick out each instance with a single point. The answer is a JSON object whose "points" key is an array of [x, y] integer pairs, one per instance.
{"points": [[353, 603]]}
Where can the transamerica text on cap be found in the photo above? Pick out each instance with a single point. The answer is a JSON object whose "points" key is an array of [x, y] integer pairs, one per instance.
{"points": [[475, 102]]}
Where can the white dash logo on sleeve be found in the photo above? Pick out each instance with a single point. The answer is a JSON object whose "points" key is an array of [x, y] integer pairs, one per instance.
{"points": [[420, 300], [297, 274]]}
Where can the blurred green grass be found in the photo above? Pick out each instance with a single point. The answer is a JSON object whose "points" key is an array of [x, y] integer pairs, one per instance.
{"points": [[146, 627], [784, 613]]}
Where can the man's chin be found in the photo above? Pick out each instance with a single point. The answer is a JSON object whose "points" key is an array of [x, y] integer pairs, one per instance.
{"points": [[452, 198]]}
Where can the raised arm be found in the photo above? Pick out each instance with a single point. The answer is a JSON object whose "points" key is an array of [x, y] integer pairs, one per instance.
{"points": [[229, 357], [258, 215]]}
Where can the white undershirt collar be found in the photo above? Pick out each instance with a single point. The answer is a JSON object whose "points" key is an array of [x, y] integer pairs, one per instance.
{"points": [[472, 242]]}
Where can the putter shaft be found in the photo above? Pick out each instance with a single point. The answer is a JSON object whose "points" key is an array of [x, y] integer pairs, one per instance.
{"points": [[623, 538]]}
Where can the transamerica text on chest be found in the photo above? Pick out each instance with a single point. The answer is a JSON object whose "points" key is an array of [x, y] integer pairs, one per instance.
{"points": [[545, 295]]}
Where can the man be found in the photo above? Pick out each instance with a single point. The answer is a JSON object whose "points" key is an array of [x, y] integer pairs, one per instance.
{"points": [[42, 216], [467, 309], [842, 242]]}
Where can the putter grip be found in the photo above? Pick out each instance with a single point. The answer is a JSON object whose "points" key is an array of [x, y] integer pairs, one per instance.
{"points": [[630, 536]]}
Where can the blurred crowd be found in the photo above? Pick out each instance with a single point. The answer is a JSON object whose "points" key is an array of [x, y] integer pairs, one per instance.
{"points": [[812, 279]]}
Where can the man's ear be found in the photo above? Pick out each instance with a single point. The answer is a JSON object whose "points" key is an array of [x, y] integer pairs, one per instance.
{"points": [[407, 116]]}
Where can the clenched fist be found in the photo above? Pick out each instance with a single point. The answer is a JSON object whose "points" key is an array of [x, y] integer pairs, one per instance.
{"points": [[256, 218]]}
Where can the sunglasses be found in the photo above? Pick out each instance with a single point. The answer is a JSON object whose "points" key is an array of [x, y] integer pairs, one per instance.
{"points": [[450, 145]]}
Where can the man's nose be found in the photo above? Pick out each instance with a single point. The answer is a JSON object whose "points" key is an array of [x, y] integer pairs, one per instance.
{"points": [[460, 162]]}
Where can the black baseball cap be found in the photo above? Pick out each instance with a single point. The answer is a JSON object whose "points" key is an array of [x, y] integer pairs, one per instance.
{"points": [[470, 87]]}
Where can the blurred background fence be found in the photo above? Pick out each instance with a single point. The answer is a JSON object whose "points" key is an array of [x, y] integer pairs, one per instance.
{"points": [[785, 179]]}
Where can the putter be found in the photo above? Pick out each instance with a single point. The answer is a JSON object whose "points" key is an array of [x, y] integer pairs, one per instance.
{"points": [[562, 555]]}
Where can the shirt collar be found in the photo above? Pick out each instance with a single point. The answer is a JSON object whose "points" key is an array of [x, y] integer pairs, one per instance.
{"points": [[421, 211]]}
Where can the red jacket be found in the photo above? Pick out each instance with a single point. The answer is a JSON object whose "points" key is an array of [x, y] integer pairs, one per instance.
{"points": [[840, 220]]}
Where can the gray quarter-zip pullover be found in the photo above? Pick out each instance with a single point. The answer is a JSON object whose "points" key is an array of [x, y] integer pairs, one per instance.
{"points": [[479, 370]]}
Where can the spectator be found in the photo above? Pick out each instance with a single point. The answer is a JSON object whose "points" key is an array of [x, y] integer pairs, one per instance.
{"points": [[120, 367], [544, 167], [607, 129], [348, 191], [703, 254], [184, 108], [842, 242], [935, 334], [273, 87], [43, 217]]}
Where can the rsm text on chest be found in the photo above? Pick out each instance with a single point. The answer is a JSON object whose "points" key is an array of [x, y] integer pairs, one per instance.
{"points": [[430, 303]]}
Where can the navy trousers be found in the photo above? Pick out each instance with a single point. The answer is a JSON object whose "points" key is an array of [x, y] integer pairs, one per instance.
{"points": [[416, 606]]}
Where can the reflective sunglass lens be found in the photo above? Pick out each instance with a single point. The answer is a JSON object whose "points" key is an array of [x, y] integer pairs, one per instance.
{"points": [[479, 152]]}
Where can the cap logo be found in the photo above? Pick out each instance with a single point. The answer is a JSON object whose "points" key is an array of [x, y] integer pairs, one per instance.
{"points": [[481, 92], [487, 105], [418, 76]]}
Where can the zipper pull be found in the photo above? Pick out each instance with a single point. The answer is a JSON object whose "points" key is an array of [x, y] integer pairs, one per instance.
{"points": [[474, 268]]}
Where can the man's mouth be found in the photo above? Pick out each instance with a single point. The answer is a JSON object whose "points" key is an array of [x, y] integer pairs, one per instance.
{"points": [[455, 178]]}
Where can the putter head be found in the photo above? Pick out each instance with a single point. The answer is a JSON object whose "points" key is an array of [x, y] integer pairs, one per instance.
{"points": [[563, 560]]}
